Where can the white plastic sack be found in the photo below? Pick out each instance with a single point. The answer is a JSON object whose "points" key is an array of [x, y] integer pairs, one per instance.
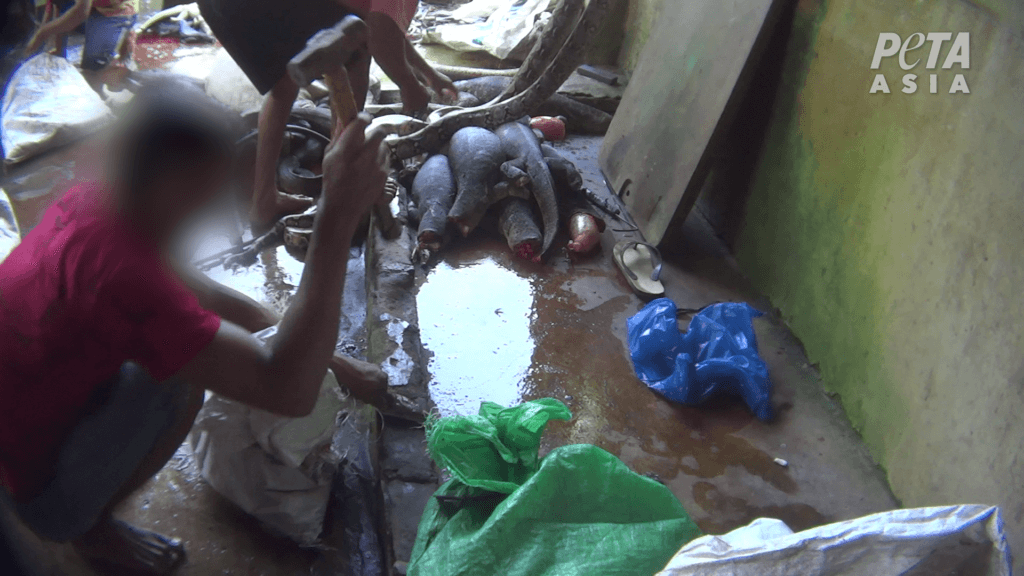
{"points": [[47, 104], [506, 26], [915, 542], [277, 469], [9, 234]]}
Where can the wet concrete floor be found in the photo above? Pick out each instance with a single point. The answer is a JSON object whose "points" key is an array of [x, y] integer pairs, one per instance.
{"points": [[505, 330]]}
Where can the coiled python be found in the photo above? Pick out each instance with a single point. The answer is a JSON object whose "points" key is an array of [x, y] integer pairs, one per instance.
{"points": [[570, 31]]}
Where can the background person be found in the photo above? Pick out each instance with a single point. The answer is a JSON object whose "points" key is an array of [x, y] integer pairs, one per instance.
{"points": [[263, 35], [109, 38]]}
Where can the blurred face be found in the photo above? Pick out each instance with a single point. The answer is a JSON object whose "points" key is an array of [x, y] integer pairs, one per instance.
{"points": [[179, 193]]}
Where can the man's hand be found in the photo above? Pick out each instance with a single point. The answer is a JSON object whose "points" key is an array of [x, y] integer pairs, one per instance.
{"points": [[368, 383], [35, 43], [365, 381], [354, 169]]}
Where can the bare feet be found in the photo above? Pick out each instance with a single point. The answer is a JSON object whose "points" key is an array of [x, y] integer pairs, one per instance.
{"points": [[267, 208], [115, 543], [439, 83], [443, 86], [414, 97]]}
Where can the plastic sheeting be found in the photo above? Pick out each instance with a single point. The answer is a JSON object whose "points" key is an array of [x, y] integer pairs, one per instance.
{"points": [[507, 24], [47, 104], [717, 354], [277, 469], [577, 511], [941, 541], [9, 234]]}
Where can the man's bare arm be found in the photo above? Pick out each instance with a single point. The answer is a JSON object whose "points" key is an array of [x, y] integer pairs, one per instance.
{"points": [[364, 380], [229, 304], [387, 46], [63, 24], [285, 376]]}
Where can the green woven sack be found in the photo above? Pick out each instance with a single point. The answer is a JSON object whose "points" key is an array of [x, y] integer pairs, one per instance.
{"points": [[580, 510]]}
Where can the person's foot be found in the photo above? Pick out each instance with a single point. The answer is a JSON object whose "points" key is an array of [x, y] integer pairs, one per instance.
{"points": [[414, 97], [266, 212], [117, 544], [442, 86]]}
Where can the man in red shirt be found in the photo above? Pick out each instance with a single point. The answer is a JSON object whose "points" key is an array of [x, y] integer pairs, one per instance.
{"points": [[106, 350]]}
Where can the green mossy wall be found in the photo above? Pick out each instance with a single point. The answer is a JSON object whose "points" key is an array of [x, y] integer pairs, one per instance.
{"points": [[888, 230]]}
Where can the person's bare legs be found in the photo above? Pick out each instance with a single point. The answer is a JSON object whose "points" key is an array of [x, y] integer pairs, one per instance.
{"points": [[387, 45], [269, 203], [115, 542], [439, 83]]}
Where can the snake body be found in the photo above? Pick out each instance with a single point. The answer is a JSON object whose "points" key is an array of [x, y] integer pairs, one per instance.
{"points": [[543, 82], [543, 52]]}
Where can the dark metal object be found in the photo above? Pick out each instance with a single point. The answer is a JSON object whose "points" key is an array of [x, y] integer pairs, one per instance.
{"points": [[289, 128], [603, 204], [603, 76]]}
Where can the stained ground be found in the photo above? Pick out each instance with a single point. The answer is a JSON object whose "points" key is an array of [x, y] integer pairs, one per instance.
{"points": [[504, 330]]}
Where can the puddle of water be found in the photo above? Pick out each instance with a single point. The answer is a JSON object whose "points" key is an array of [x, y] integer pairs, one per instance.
{"points": [[475, 319], [274, 279], [561, 334]]}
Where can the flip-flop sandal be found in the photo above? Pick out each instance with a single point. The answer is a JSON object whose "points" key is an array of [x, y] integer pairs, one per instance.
{"points": [[640, 263]]}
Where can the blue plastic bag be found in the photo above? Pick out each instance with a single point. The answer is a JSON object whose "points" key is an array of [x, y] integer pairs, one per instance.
{"points": [[716, 355]]}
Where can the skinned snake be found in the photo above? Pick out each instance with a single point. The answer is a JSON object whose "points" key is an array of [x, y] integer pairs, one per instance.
{"points": [[568, 36], [542, 82]]}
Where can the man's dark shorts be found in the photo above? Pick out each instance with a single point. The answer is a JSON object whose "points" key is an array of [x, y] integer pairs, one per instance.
{"points": [[103, 37], [263, 35], [103, 452]]}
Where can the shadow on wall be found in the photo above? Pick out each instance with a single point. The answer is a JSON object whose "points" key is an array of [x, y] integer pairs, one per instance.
{"points": [[723, 198]]}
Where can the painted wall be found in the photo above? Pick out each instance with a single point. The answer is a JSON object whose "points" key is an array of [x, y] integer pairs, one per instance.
{"points": [[639, 17], [889, 230]]}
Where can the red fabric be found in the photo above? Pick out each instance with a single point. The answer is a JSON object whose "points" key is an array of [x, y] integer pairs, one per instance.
{"points": [[116, 7], [401, 11], [81, 295]]}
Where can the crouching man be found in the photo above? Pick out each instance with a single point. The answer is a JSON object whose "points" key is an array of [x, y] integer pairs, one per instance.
{"points": [[106, 351]]}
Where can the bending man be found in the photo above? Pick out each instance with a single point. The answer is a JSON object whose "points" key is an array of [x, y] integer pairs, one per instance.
{"points": [[108, 350]]}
